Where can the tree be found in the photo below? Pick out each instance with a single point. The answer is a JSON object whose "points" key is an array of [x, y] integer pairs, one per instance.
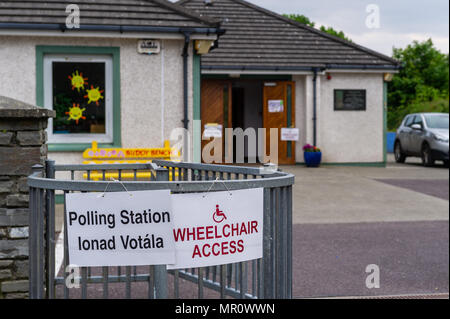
{"points": [[422, 85], [425, 74], [306, 21], [300, 18]]}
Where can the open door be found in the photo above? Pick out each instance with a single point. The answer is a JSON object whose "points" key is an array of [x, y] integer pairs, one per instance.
{"points": [[216, 109], [279, 112]]}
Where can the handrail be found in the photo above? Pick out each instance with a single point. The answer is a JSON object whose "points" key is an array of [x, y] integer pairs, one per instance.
{"points": [[278, 179]]}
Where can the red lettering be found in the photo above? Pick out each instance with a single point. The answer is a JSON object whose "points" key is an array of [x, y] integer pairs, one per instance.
{"points": [[178, 234], [209, 253], [235, 230], [200, 233], [225, 248], [240, 246], [254, 227], [190, 234], [216, 252], [196, 252], [232, 247], [243, 229], [218, 236], [209, 232], [226, 235]]}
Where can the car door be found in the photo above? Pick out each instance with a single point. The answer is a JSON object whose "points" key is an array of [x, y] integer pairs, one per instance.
{"points": [[416, 136], [404, 133]]}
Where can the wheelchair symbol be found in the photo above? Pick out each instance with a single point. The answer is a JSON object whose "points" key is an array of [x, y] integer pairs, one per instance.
{"points": [[219, 216]]}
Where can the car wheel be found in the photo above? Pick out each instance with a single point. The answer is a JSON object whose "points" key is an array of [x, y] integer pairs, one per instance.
{"points": [[400, 157], [446, 163], [427, 159]]}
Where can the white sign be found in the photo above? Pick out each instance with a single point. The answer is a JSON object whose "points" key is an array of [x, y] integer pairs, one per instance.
{"points": [[213, 131], [276, 106], [290, 134], [149, 46], [217, 228], [120, 229]]}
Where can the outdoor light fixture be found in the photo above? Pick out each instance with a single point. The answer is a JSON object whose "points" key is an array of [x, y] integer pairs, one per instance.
{"points": [[388, 77], [203, 46]]}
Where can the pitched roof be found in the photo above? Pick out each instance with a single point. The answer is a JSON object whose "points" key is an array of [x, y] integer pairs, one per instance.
{"points": [[137, 13], [259, 39]]}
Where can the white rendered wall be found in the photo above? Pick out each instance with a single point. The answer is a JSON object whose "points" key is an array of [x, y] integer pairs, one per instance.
{"points": [[141, 91], [351, 136]]}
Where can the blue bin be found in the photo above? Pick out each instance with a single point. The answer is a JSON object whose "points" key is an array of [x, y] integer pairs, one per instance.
{"points": [[390, 141]]}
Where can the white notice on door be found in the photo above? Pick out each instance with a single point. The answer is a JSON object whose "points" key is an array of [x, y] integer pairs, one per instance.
{"points": [[276, 106], [120, 229], [290, 134]]}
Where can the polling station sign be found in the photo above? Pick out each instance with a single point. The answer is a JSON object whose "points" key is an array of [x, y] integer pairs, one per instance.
{"points": [[217, 228], [120, 229]]}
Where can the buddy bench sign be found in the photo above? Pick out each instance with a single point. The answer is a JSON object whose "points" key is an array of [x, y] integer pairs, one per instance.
{"points": [[159, 228]]}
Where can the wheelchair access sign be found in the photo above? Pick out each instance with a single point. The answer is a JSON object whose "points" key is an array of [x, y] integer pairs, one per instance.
{"points": [[217, 228]]}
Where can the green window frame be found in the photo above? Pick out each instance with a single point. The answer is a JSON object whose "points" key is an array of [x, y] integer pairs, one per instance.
{"points": [[114, 52]]}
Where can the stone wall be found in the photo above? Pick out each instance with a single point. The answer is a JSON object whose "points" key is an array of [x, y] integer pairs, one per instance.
{"points": [[22, 144]]}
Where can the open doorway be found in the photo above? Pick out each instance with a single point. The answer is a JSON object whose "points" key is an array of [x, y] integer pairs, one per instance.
{"points": [[247, 110], [245, 104]]}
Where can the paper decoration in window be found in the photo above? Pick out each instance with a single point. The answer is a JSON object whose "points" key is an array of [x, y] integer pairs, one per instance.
{"points": [[78, 81], [94, 95], [75, 113]]}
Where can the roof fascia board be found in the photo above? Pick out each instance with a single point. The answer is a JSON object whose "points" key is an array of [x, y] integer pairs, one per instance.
{"points": [[242, 68], [102, 34], [108, 28], [234, 72], [293, 72]]}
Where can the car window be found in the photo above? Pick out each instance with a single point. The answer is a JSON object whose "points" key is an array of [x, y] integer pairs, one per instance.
{"points": [[437, 121], [418, 120], [409, 120]]}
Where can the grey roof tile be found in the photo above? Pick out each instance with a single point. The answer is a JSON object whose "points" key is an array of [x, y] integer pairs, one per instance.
{"points": [[256, 37], [103, 12]]}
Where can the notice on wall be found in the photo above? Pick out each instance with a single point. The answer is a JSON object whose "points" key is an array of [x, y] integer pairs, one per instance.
{"points": [[213, 131], [276, 106], [290, 134], [217, 228], [120, 229]]}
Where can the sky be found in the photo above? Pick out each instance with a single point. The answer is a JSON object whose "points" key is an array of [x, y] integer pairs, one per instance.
{"points": [[400, 21]]}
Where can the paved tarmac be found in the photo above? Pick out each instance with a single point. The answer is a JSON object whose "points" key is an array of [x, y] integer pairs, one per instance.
{"points": [[347, 218]]}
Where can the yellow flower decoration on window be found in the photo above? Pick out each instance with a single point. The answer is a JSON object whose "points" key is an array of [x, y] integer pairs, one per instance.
{"points": [[94, 95], [75, 113], [78, 81]]}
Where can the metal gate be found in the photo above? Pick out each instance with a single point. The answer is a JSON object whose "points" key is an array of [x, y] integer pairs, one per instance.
{"points": [[269, 277]]}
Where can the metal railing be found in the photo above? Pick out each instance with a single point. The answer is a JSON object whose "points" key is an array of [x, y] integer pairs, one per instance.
{"points": [[269, 277]]}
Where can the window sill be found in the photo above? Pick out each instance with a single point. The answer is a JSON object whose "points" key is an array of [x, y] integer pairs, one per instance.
{"points": [[79, 147]]}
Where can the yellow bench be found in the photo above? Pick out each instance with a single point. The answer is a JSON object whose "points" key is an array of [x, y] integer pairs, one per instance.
{"points": [[95, 155]]}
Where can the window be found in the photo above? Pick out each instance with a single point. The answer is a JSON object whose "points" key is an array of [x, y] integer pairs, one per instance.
{"points": [[418, 120], [82, 84], [349, 100], [79, 89], [409, 121], [437, 121]]}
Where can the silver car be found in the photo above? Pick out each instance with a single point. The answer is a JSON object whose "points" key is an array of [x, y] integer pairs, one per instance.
{"points": [[423, 135]]}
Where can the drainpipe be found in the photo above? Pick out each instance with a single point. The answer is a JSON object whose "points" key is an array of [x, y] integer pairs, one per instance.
{"points": [[185, 55], [315, 107], [187, 40]]}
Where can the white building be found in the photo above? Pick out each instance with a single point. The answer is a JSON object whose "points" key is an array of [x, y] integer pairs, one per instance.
{"points": [[333, 91]]}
